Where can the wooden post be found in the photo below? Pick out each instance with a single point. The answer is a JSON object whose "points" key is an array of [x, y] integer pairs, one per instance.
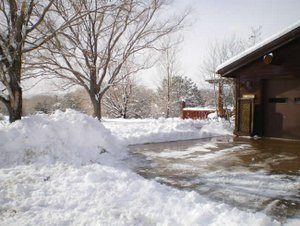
{"points": [[221, 111]]}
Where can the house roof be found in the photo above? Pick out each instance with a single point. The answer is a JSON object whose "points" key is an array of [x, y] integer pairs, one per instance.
{"points": [[266, 46]]}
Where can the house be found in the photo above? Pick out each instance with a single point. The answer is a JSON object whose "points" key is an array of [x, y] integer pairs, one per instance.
{"points": [[267, 78]]}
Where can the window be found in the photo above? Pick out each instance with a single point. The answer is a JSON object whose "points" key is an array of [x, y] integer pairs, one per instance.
{"points": [[281, 100], [297, 100]]}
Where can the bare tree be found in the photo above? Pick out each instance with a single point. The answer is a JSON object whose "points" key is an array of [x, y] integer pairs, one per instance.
{"points": [[39, 103], [20, 33], [95, 53], [119, 98], [49, 103], [127, 99], [169, 70], [255, 36], [219, 52]]}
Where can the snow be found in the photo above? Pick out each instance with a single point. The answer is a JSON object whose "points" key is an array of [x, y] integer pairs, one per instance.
{"points": [[169, 153], [140, 131], [58, 137], [3, 95], [101, 195], [258, 45], [199, 109], [213, 115], [65, 169]]}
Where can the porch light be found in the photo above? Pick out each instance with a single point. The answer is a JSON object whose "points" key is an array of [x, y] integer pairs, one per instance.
{"points": [[268, 58]]}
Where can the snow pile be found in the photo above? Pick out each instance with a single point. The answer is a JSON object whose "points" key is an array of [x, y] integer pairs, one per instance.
{"points": [[68, 137], [63, 194], [139, 131], [72, 188], [76, 138], [200, 108]]}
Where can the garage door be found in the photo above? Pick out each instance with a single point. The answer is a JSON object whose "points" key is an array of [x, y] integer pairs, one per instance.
{"points": [[282, 108]]}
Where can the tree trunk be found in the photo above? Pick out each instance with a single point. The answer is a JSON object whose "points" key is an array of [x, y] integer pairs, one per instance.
{"points": [[14, 103], [15, 106], [125, 111], [96, 106], [168, 97], [168, 111]]}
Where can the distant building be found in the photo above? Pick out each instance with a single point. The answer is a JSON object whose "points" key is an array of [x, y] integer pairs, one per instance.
{"points": [[197, 112], [268, 86]]}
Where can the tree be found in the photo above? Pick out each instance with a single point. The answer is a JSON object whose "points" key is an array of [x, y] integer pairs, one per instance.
{"points": [[169, 69], [219, 52], [39, 103], [175, 89], [21, 32], [70, 100], [119, 98], [142, 107], [108, 44], [42, 107], [188, 91], [127, 99]]}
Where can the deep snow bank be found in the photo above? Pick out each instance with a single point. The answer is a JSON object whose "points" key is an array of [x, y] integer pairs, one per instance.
{"points": [[139, 131], [73, 137], [68, 136], [94, 194]]}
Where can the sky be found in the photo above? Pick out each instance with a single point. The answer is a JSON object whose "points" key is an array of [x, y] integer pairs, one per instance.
{"points": [[217, 20]]}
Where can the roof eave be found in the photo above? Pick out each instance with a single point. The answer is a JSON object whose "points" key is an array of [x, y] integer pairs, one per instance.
{"points": [[290, 36]]}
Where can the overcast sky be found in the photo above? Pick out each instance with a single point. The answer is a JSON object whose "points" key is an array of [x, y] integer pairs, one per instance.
{"points": [[218, 19]]}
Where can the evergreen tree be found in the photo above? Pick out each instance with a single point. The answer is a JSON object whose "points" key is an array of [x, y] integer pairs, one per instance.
{"points": [[175, 89]]}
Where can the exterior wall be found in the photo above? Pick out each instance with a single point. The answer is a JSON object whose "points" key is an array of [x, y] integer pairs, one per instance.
{"points": [[250, 78], [195, 114]]}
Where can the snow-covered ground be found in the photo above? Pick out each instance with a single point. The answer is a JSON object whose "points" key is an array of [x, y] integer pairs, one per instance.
{"points": [[140, 131], [64, 169]]}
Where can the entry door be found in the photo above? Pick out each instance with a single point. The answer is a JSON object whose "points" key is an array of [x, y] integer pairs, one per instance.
{"points": [[245, 117], [282, 108]]}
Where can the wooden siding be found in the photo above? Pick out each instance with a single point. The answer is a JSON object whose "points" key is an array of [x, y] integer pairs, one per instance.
{"points": [[250, 79]]}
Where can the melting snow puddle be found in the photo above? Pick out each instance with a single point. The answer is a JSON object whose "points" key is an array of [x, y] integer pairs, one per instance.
{"points": [[253, 175]]}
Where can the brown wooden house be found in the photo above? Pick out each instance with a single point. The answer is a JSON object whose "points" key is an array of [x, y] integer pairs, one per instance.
{"points": [[268, 86]]}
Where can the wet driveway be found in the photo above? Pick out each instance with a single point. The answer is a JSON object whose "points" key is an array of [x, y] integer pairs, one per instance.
{"points": [[256, 175]]}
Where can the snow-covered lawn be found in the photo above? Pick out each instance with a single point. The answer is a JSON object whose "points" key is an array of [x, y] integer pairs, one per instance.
{"points": [[139, 131], [65, 169]]}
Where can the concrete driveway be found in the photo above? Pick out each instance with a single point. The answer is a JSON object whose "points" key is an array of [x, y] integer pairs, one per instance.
{"points": [[256, 175]]}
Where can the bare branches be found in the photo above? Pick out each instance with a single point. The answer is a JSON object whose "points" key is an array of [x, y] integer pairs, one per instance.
{"points": [[107, 44], [41, 17], [219, 52], [26, 25]]}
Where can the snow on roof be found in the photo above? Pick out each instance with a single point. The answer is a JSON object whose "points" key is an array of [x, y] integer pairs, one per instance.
{"points": [[258, 45], [199, 109]]}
